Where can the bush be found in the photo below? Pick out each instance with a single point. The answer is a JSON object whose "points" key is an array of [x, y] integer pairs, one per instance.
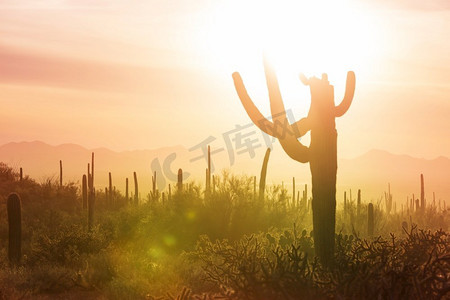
{"points": [[417, 267]]}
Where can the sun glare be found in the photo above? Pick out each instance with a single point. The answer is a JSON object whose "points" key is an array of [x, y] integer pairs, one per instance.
{"points": [[312, 37]]}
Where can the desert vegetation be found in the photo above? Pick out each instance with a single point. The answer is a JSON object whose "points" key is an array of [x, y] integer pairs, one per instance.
{"points": [[221, 240]]}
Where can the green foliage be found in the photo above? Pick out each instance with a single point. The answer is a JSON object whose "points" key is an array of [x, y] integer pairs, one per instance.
{"points": [[66, 245], [134, 252]]}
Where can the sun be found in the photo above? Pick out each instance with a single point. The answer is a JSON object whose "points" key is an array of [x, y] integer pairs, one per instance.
{"points": [[312, 37]]}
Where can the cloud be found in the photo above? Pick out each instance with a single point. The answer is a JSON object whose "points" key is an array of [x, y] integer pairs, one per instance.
{"points": [[22, 67]]}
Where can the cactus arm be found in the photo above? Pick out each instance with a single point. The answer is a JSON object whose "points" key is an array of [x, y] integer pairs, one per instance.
{"points": [[342, 108], [255, 115], [288, 140], [301, 127], [295, 150]]}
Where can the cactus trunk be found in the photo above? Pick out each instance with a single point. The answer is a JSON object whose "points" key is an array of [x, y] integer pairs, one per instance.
{"points": [[262, 180], [293, 191], [91, 198], [126, 190], [180, 180], [15, 228], [370, 220], [84, 191], [136, 189], [422, 193], [208, 173], [358, 204], [323, 165], [254, 187], [60, 174], [345, 202], [110, 189]]}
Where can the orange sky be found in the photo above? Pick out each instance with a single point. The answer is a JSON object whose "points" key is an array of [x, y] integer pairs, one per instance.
{"points": [[147, 74]]}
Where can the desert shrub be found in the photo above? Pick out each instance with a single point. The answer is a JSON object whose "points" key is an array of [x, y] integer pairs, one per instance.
{"points": [[417, 267], [66, 245]]}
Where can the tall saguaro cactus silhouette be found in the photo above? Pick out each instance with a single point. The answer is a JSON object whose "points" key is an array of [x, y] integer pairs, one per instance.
{"points": [[322, 152], [14, 211]]}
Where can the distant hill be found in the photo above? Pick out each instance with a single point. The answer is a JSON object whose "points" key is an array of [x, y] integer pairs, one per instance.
{"points": [[370, 172], [375, 169]]}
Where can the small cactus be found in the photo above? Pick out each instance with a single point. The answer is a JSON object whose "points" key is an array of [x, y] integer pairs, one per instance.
{"points": [[254, 187], [84, 192], [370, 220], [126, 189], [155, 192], [305, 196], [388, 199], [91, 198], [92, 167], [358, 203], [60, 173], [422, 193], [262, 180], [293, 191], [345, 202], [15, 228], [136, 189], [180, 180], [208, 173], [110, 189]]}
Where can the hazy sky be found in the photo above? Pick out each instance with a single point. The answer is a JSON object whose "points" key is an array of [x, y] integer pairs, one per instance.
{"points": [[144, 74]]}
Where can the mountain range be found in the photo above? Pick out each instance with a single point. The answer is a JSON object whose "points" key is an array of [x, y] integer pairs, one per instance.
{"points": [[370, 172]]}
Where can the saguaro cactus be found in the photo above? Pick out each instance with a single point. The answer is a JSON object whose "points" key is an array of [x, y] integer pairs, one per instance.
{"points": [[169, 197], [208, 173], [84, 192], [345, 202], [293, 191], [321, 154], [126, 190], [91, 199], [154, 193], [15, 228], [60, 174], [358, 203], [370, 220], [422, 193], [136, 189], [180, 180], [110, 194], [262, 180], [92, 167], [304, 202], [388, 199], [254, 187]]}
